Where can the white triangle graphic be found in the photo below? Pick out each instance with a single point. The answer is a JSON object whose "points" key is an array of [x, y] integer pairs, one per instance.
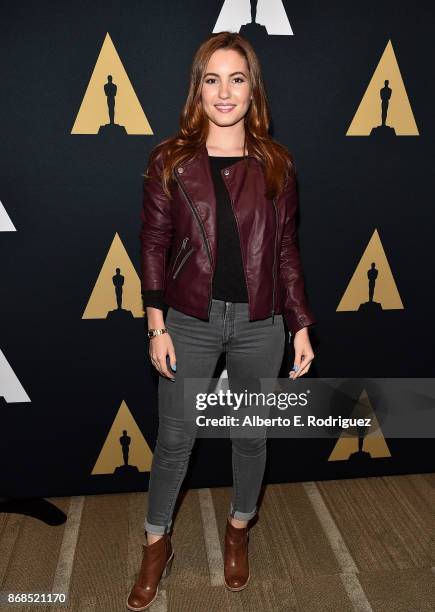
{"points": [[270, 13], [6, 224], [10, 387]]}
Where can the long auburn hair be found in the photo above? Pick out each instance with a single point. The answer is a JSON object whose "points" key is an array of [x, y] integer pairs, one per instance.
{"points": [[194, 122]]}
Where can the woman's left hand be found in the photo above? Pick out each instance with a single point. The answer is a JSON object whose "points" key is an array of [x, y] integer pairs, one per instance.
{"points": [[303, 353]]}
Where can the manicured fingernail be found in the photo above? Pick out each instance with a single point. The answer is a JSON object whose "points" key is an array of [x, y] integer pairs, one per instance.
{"points": [[174, 367]]}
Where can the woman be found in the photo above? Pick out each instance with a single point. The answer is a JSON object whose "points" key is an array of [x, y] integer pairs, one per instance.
{"points": [[219, 249]]}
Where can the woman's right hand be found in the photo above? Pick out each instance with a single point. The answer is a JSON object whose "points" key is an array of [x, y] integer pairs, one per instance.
{"points": [[160, 347]]}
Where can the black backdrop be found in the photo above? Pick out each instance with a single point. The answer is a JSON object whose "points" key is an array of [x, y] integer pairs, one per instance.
{"points": [[69, 195]]}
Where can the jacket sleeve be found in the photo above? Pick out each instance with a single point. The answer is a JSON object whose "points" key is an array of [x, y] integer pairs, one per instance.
{"points": [[296, 309], [156, 231], [154, 299]]}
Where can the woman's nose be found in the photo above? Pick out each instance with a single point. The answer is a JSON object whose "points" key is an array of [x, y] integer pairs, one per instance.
{"points": [[224, 92]]}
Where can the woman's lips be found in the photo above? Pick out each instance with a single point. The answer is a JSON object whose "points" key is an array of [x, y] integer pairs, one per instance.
{"points": [[225, 109]]}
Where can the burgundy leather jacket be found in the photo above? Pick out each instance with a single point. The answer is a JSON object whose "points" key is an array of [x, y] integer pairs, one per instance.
{"points": [[178, 240]]}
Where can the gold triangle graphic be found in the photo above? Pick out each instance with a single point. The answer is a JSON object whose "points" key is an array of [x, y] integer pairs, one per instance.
{"points": [[399, 115], [124, 434], [94, 114], [374, 441], [367, 277], [117, 291]]}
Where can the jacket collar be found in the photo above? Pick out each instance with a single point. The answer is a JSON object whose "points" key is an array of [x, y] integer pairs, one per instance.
{"points": [[196, 178]]}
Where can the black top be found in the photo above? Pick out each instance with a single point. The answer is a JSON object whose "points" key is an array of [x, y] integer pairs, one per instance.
{"points": [[229, 282]]}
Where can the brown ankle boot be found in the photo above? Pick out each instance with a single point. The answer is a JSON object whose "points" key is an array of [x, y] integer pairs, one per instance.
{"points": [[156, 563], [236, 566]]}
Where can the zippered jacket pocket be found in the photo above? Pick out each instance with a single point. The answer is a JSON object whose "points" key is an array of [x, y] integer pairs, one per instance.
{"points": [[181, 257]]}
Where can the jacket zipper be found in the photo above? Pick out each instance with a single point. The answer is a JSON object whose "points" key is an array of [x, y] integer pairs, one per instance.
{"points": [[175, 274], [183, 245], [240, 240], [204, 237], [274, 262]]}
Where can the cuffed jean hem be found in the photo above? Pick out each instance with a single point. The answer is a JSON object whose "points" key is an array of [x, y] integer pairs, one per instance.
{"points": [[157, 529], [242, 516]]}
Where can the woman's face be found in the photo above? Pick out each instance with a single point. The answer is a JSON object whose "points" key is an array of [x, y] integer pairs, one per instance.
{"points": [[226, 89]]}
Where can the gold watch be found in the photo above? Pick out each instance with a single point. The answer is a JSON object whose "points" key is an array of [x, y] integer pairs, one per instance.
{"points": [[156, 332]]}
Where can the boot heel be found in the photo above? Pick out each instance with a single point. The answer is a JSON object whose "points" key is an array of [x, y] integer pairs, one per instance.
{"points": [[167, 570]]}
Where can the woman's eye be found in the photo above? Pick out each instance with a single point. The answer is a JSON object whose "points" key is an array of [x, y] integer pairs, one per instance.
{"points": [[211, 80]]}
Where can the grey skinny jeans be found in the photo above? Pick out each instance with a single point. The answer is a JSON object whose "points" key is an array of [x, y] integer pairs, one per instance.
{"points": [[253, 349]]}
